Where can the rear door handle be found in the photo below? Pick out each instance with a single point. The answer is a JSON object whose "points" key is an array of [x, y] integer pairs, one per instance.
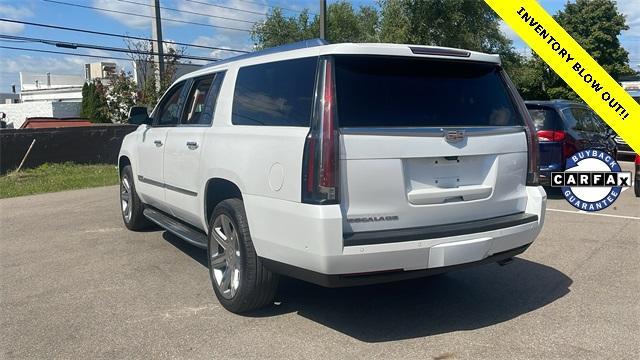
{"points": [[158, 143], [192, 145]]}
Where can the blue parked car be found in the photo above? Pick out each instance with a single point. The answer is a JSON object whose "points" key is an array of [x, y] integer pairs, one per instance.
{"points": [[565, 127]]}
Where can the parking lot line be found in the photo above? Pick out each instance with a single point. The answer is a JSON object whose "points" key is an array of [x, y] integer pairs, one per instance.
{"points": [[595, 214]]}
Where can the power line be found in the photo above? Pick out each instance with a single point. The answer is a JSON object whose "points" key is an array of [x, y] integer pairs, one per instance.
{"points": [[64, 53], [226, 7], [70, 45], [117, 35], [187, 11], [146, 16]]}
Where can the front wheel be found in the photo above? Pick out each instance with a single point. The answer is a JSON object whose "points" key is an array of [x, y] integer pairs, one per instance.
{"points": [[130, 203], [240, 280]]}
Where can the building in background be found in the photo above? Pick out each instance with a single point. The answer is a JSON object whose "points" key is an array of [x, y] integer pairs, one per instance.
{"points": [[18, 113], [100, 70], [631, 84], [50, 87], [47, 95], [9, 98]]}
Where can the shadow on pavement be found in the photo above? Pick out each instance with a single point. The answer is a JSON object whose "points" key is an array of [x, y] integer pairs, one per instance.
{"points": [[463, 300], [553, 192], [197, 254]]}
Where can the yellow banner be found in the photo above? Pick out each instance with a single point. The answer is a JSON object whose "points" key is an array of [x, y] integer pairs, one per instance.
{"points": [[572, 63]]}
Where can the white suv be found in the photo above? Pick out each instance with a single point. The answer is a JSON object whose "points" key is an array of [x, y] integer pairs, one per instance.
{"points": [[341, 164]]}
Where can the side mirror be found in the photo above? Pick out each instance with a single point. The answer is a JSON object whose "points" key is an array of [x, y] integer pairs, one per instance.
{"points": [[138, 115], [2, 115]]}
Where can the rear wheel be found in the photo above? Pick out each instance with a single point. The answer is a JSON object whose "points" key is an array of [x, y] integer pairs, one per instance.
{"points": [[130, 203], [636, 188], [240, 281]]}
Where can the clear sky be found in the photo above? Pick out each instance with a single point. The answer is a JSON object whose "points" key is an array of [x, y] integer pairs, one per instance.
{"points": [[125, 21]]}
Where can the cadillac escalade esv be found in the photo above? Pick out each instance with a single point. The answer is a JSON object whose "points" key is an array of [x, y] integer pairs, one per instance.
{"points": [[339, 164]]}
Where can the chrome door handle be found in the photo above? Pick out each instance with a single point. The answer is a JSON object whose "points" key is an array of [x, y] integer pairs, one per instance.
{"points": [[192, 145], [158, 143]]}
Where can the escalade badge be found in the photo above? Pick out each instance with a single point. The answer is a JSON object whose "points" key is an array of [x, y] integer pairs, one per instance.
{"points": [[453, 136], [374, 218]]}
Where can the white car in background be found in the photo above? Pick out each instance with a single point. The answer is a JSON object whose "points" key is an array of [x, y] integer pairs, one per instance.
{"points": [[342, 164]]}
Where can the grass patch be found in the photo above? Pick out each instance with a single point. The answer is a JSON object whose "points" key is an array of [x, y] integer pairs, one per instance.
{"points": [[56, 177]]}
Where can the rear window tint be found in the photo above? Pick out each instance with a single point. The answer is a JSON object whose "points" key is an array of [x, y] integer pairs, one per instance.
{"points": [[544, 119], [580, 119], [275, 94], [386, 91]]}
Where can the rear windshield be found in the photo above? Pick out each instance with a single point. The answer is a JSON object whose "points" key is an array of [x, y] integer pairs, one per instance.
{"points": [[582, 119], [407, 92], [544, 118]]}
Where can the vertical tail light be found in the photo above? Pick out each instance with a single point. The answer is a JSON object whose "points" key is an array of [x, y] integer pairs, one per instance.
{"points": [[320, 159], [533, 170]]}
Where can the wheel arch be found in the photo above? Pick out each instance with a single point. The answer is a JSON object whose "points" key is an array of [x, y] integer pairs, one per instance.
{"points": [[216, 190], [123, 161]]}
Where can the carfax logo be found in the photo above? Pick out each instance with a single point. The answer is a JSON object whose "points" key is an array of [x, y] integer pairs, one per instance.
{"points": [[592, 181]]}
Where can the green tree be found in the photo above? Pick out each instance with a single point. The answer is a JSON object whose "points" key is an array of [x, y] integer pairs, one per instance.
{"points": [[121, 96], [278, 29], [94, 102], [344, 24], [467, 24], [596, 26], [85, 99], [530, 77]]}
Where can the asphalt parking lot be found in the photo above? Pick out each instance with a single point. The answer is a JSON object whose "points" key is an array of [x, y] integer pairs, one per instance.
{"points": [[77, 284]]}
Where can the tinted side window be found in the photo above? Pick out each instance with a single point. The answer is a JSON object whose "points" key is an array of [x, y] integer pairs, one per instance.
{"points": [[194, 111], [600, 125], [275, 94], [202, 99], [169, 110]]}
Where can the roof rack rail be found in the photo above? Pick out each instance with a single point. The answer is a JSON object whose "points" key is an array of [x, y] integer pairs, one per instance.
{"points": [[273, 50]]}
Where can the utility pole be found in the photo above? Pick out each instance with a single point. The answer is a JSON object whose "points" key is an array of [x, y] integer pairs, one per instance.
{"points": [[323, 19], [156, 41]]}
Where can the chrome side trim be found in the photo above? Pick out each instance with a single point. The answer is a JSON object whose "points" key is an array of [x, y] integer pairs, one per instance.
{"points": [[150, 182], [430, 131], [180, 190], [166, 186]]}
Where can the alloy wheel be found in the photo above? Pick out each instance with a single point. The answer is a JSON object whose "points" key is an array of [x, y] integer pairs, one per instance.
{"points": [[125, 198], [225, 257]]}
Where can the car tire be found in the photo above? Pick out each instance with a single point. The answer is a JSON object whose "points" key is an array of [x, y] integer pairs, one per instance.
{"points": [[636, 189], [240, 280], [130, 205]]}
